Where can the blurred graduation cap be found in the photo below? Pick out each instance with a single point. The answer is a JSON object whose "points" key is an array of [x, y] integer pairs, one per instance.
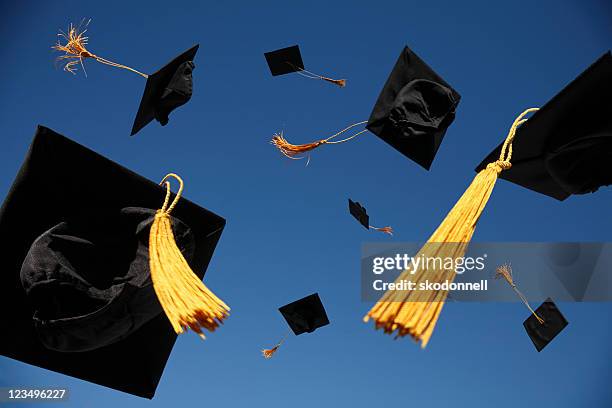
{"points": [[289, 60], [83, 263], [165, 90], [545, 322], [414, 109], [566, 147], [361, 215], [303, 316]]}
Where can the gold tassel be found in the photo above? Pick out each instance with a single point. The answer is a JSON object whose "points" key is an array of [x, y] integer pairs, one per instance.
{"points": [[386, 230], [505, 271], [75, 51], [294, 151], [415, 313], [188, 304]]}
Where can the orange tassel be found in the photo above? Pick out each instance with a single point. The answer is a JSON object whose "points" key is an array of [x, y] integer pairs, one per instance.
{"points": [[386, 230], [268, 353], [293, 151]]}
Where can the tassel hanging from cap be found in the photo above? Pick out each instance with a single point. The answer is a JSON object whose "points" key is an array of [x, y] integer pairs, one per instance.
{"points": [[415, 313], [187, 302], [307, 74], [294, 151], [75, 51], [268, 353], [386, 230], [505, 272]]}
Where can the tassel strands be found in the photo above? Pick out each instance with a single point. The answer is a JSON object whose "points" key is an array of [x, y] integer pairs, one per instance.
{"points": [[505, 272], [307, 74], [415, 313], [268, 353], [386, 230], [295, 151], [75, 51], [187, 302]]}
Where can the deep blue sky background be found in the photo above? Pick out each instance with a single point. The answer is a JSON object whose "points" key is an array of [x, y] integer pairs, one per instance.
{"points": [[288, 231]]}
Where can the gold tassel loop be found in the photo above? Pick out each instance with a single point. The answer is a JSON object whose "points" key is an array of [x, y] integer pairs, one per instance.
{"points": [[386, 230], [187, 302], [505, 272], [294, 151], [75, 51], [415, 313]]}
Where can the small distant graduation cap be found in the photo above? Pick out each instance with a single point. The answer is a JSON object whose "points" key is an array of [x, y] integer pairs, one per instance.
{"points": [[545, 322], [289, 60], [361, 215], [414, 109], [553, 322], [76, 290], [303, 316], [165, 90], [566, 146]]}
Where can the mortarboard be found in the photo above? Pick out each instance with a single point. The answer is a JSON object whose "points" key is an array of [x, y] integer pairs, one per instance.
{"points": [[565, 148], [414, 109], [303, 316], [361, 215], [552, 323], [76, 288], [545, 322], [289, 60], [165, 90]]}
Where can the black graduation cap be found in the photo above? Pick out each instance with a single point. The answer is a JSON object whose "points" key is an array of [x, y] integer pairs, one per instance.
{"points": [[285, 60], [289, 60], [75, 291], [166, 90], [414, 109], [565, 147], [543, 333], [359, 213], [305, 315]]}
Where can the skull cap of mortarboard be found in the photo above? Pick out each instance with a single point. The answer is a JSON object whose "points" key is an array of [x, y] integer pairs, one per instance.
{"points": [[414, 109]]}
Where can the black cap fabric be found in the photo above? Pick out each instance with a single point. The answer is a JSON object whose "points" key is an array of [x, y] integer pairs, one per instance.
{"points": [[543, 333], [414, 109], [88, 280], [359, 213], [285, 60], [305, 315], [166, 90], [66, 199], [565, 148]]}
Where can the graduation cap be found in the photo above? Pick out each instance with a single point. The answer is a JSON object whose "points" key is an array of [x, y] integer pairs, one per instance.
{"points": [[361, 215], [565, 148], [545, 322], [414, 109], [303, 316], [86, 253], [165, 90], [289, 60], [552, 323]]}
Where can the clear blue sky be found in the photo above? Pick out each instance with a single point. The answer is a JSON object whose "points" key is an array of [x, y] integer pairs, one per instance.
{"points": [[288, 232]]}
